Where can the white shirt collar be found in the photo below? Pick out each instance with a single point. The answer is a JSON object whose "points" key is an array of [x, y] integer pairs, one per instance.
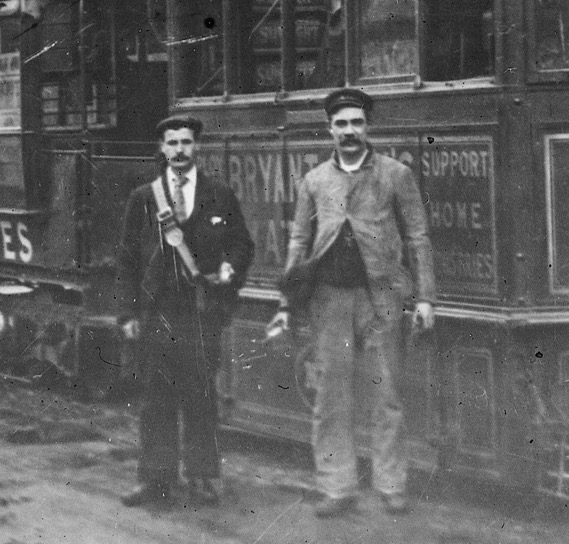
{"points": [[352, 167], [190, 175]]}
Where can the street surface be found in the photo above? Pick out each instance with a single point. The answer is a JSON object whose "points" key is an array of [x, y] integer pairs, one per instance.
{"points": [[64, 464]]}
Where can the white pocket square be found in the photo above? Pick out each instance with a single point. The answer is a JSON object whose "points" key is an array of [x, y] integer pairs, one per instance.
{"points": [[215, 220]]}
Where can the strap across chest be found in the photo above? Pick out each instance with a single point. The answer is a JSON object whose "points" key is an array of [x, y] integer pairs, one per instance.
{"points": [[170, 228]]}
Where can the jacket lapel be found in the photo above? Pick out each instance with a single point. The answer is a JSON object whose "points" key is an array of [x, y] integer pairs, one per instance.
{"points": [[202, 195]]}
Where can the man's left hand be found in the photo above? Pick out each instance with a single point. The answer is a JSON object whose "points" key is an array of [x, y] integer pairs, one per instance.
{"points": [[424, 316], [223, 277]]}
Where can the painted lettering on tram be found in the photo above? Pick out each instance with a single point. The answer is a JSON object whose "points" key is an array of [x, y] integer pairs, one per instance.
{"points": [[258, 177], [264, 180], [466, 266], [465, 163], [456, 175], [456, 215], [16, 244], [458, 182], [270, 240]]}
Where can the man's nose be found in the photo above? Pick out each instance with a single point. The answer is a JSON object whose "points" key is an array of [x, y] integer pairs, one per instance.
{"points": [[349, 128]]}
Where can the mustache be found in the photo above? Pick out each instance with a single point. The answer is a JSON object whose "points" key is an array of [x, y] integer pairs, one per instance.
{"points": [[181, 157], [348, 140]]}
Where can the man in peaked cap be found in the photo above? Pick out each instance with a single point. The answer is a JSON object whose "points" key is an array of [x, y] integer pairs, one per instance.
{"points": [[175, 310], [348, 97], [357, 215]]}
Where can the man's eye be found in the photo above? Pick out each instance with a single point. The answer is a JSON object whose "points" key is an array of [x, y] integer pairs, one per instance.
{"points": [[341, 124], [176, 142], [358, 122]]}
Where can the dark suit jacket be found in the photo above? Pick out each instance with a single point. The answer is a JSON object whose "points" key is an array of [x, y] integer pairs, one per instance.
{"points": [[149, 270]]}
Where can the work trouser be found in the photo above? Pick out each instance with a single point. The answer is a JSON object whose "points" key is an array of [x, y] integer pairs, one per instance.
{"points": [[357, 351], [178, 420]]}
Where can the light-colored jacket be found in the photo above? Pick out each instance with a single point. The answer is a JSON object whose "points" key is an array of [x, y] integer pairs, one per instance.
{"points": [[383, 204]]}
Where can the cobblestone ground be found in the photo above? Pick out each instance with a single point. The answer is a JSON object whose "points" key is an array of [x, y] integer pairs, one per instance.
{"points": [[64, 464]]}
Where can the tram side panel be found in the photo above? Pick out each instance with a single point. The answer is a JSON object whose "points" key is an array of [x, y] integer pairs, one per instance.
{"points": [[43, 284], [461, 386], [455, 401], [268, 385], [66, 322], [105, 361]]}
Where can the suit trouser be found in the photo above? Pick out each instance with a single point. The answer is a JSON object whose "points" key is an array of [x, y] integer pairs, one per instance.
{"points": [[179, 414], [357, 354]]}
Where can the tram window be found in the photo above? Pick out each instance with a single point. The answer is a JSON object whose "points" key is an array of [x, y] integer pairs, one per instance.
{"points": [[459, 39], [387, 38], [57, 30], [10, 107], [141, 32], [197, 46], [319, 29], [261, 47], [61, 78], [383, 39], [318, 39], [552, 20]]}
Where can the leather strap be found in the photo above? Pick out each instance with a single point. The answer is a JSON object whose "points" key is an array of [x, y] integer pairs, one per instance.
{"points": [[169, 225], [167, 222]]}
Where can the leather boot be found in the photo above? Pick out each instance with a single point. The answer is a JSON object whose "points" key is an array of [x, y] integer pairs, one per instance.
{"points": [[203, 491]]}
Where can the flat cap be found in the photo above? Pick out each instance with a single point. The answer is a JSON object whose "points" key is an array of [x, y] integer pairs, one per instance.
{"points": [[347, 98], [179, 121]]}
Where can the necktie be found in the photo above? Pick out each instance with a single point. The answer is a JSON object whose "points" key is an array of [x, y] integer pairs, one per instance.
{"points": [[179, 203]]}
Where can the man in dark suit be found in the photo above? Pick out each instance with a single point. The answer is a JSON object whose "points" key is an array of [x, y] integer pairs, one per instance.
{"points": [[175, 311]]}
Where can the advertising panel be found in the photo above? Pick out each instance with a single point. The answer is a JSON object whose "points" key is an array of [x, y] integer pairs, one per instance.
{"points": [[557, 195], [263, 177], [456, 175]]}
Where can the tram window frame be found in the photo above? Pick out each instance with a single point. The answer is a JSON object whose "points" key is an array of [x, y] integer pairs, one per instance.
{"points": [[233, 57], [354, 45], [11, 79], [535, 73], [61, 81]]}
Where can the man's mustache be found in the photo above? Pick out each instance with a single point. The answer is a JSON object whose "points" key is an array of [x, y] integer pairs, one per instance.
{"points": [[181, 157], [349, 140]]}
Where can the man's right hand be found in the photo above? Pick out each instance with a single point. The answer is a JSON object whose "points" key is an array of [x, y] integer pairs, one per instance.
{"points": [[279, 323], [131, 329]]}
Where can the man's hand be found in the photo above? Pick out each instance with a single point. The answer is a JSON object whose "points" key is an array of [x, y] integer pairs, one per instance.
{"points": [[424, 316], [226, 273], [223, 277], [279, 323], [131, 329]]}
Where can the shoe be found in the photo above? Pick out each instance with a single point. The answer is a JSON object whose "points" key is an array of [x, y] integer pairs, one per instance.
{"points": [[147, 493], [330, 507], [203, 491], [395, 503]]}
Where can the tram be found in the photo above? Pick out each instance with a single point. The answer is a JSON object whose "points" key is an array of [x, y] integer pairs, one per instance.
{"points": [[472, 94]]}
